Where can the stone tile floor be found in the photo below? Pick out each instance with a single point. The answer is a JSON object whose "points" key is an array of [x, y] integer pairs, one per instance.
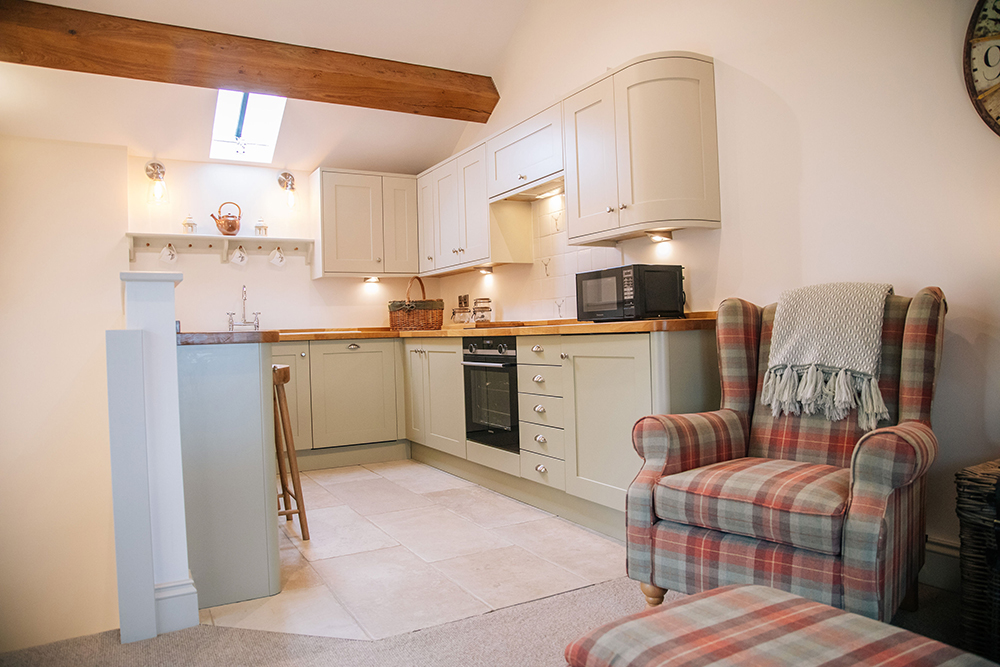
{"points": [[400, 546]]}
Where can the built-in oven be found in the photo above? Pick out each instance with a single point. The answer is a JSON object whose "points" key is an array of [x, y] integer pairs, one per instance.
{"points": [[490, 364]]}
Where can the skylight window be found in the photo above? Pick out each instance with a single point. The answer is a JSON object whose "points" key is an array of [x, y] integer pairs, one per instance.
{"points": [[246, 126]]}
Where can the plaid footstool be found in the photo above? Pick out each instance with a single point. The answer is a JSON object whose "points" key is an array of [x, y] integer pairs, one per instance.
{"points": [[752, 626]]}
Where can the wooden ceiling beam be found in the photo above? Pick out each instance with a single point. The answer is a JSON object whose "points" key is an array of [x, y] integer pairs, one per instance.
{"points": [[69, 39]]}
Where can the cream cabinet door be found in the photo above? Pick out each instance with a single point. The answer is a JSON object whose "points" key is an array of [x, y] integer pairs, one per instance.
{"points": [[445, 396], [352, 223], [297, 391], [591, 160], [353, 391], [399, 225], [426, 222], [668, 155], [526, 152], [447, 219], [473, 204], [607, 388], [415, 385]]}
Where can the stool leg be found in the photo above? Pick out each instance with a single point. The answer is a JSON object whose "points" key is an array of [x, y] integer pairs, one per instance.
{"points": [[293, 462], [282, 470], [654, 594]]}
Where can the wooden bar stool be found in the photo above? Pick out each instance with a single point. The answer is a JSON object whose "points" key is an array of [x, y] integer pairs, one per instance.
{"points": [[282, 423]]}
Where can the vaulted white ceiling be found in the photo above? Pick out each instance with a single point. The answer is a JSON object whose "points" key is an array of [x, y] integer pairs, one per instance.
{"points": [[175, 122]]}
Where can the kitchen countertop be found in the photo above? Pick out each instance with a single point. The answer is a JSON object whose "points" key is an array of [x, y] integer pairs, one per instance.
{"points": [[694, 321]]}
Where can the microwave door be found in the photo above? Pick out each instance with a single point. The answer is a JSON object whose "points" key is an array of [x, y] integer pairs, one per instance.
{"points": [[603, 295]]}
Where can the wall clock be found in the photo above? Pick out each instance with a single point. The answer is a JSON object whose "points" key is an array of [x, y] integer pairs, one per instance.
{"points": [[982, 61]]}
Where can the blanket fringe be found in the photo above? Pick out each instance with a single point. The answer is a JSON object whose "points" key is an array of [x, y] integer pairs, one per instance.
{"points": [[832, 392]]}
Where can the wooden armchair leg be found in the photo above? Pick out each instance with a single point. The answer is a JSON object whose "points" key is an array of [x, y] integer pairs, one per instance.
{"points": [[910, 601], [654, 594]]}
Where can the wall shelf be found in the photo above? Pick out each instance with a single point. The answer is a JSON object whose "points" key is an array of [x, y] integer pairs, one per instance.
{"points": [[217, 244]]}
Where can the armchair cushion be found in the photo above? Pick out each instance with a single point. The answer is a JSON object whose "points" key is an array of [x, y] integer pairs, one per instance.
{"points": [[799, 504]]}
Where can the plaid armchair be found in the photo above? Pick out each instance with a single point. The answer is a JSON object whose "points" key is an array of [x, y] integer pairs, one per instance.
{"points": [[821, 509]]}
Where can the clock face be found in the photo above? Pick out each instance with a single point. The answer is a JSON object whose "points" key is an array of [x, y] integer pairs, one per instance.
{"points": [[982, 61]]}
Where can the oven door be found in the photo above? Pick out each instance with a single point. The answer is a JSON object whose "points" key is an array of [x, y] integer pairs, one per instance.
{"points": [[600, 295], [491, 402]]}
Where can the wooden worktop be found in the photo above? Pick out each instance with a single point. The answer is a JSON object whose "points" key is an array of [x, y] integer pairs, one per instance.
{"points": [[697, 320]]}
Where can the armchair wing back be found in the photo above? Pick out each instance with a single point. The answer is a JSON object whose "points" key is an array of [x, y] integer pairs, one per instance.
{"points": [[819, 508]]}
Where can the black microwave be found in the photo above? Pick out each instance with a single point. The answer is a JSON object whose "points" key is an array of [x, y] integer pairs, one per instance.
{"points": [[633, 292]]}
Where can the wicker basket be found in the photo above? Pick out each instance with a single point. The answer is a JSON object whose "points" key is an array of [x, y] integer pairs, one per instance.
{"points": [[416, 315], [980, 566]]}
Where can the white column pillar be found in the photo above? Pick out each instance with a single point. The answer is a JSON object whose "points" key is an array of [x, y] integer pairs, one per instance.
{"points": [[149, 307]]}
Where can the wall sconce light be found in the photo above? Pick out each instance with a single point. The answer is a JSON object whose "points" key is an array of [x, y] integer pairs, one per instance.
{"points": [[660, 237], [287, 183], [372, 279], [155, 172], [486, 270]]}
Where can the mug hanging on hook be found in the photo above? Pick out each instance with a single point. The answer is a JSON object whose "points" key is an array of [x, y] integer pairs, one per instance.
{"points": [[277, 257], [169, 254], [239, 256]]}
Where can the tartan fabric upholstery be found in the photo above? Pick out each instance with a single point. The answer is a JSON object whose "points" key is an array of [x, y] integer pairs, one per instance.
{"points": [[798, 504], [735, 518], [756, 625]]}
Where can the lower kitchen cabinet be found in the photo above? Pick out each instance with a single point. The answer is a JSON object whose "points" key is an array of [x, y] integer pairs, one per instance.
{"points": [[611, 381], [353, 385], [435, 394], [295, 355]]}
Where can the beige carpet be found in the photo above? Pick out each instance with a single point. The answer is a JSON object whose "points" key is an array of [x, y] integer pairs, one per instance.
{"points": [[527, 635]]}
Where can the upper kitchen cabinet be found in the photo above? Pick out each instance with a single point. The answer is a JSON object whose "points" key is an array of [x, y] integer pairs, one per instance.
{"points": [[528, 152], [366, 224], [642, 150], [458, 228]]}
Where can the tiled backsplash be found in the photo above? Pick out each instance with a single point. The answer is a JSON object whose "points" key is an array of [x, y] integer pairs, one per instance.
{"points": [[553, 275]]}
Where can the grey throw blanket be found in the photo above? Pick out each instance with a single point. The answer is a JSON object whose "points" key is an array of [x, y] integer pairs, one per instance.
{"points": [[826, 348]]}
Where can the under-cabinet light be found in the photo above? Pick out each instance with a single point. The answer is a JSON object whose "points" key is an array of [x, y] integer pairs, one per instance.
{"points": [[486, 269], [246, 126], [660, 237], [550, 193], [372, 279]]}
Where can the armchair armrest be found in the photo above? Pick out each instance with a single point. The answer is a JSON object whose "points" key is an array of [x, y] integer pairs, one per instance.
{"points": [[893, 457]]}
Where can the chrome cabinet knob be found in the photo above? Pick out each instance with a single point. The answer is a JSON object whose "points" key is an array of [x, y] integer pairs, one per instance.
{"points": [[353, 346], [541, 468], [622, 206], [302, 354], [522, 177], [539, 409], [455, 250], [540, 439], [461, 249], [430, 257], [537, 348], [538, 378], [563, 355], [611, 209], [378, 259]]}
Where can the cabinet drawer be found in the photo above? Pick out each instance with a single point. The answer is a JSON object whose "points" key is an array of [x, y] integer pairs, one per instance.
{"points": [[546, 440], [539, 350], [526, 152], [544, 470], [539, 379], [549, 412]]}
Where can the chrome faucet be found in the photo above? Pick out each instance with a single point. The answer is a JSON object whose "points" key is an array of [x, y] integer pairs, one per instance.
{"points": [[256, 316]]}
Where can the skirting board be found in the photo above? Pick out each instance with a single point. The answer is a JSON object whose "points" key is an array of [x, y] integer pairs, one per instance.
{"points": [[176, 606], [583, 512], [941, 566], [353, 455]]}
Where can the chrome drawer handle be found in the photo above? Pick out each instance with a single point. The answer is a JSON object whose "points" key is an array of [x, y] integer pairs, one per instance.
{"points": [[540, 439], [538, 378], [539, 409], [353, 346], [537, 348], [541, 468]]}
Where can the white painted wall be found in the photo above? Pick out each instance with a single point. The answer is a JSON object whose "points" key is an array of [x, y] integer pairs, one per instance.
{"points": [[849, 150], [62, 228]]}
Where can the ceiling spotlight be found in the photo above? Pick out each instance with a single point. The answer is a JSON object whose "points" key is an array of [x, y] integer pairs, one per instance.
{"points": [[660, 237]]}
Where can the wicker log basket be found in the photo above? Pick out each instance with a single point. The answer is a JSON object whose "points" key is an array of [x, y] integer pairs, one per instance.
{"points": [[978, 560], [417, 315]]}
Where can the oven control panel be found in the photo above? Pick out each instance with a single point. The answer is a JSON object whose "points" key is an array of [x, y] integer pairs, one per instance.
{"points": [[491, 345]]}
